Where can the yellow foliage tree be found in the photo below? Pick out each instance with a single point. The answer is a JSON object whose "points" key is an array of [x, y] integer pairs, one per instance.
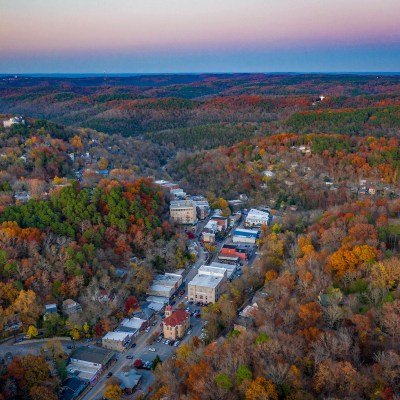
{"points": [[32, 331], [261, 389], [112, 392]]}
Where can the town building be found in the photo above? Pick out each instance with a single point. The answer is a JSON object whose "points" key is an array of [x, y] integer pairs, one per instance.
{"points": [[209, 231], [72, 387], [132, 326], [167, 185], [50, 309], [70, 306], [183, 212], [231, 269], [221, 221], [87, 362], [257, 218], [176, 323], [231, 252], [165, 285], [245, 236], [128, 380], [202, 207], [117, 341], [207, 286]]}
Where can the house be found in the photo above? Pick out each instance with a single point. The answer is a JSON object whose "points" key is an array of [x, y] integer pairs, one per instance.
{"points": [[13, 121], [102, 296], [72, 387], [231, 251], [207, 286], [128, 380], [87, 362], [22, 197], [257, 218], [117, 341], [166, 185], [70, 306], [50, 309], [183, 212], [176, 323], [245, 236]]}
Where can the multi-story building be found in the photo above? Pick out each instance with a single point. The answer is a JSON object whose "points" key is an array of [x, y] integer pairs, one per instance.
{"points": [[165, 285], [256, 218], [176, 323], [207, 286], [117, 341], [183, 212]]}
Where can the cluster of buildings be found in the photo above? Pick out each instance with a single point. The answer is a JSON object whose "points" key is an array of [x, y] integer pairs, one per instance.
{"points": [[86, 365], [257, 218], [184, 209]]}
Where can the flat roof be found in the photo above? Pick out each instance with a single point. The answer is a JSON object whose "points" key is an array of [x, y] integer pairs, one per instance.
{"points": [[258, 213], [182, 203], [92, 354], [211, 270], [209, 281], [246, 232], [133, 323], [117, 336]]}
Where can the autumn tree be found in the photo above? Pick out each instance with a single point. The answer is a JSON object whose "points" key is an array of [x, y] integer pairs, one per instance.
{"points": [[261, 389]]}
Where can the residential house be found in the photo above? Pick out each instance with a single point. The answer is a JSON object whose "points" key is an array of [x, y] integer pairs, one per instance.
{"points": [[128, 380], [70, 306], [13, 121]]}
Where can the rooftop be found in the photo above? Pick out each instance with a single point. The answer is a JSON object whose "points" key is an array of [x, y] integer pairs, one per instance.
{"points": [[211, 270], [133, 323], [178, 317], [254, 213], [128, 379], [182, 204], [246, 232], [117, 336], [92, 354], [208, 281]]}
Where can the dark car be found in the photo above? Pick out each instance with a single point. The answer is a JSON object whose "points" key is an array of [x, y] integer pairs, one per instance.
{"points": [[109, 375], [19, 340], [129, 357], [133, 345], [173, 303], [70, 347]]}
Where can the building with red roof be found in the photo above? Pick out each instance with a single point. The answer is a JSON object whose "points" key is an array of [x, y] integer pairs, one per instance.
{"points": [[176, 323]]}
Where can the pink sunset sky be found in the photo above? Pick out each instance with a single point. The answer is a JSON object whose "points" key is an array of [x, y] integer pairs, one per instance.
{"points": [[147, 35]]}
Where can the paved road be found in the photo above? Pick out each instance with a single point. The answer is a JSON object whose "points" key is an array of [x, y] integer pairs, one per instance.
{"points": [[141, 351]]}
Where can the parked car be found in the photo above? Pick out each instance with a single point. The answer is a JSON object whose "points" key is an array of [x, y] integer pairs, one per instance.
{"points": [[69, 347], [19, 340], [171, 343], [147, 329], [189, 332], [176, 344], [152, 349], [133, 345], [109, 375], [129, 357]]}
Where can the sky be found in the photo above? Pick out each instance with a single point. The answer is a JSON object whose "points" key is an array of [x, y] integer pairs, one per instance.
{"points": [[151, 36]]}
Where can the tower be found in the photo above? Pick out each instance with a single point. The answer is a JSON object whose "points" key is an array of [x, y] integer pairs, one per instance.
{"points": [[168, 311]]}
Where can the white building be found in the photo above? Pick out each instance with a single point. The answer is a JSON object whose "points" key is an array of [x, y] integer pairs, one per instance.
{"points": [[207, 286], [13, 121], [183, 212], [257, 218], [245, 236]]}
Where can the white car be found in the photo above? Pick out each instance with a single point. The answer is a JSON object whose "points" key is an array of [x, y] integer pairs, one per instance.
{"points": [[189, 332], [176, 344], [152, 349], [148, 330]]}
